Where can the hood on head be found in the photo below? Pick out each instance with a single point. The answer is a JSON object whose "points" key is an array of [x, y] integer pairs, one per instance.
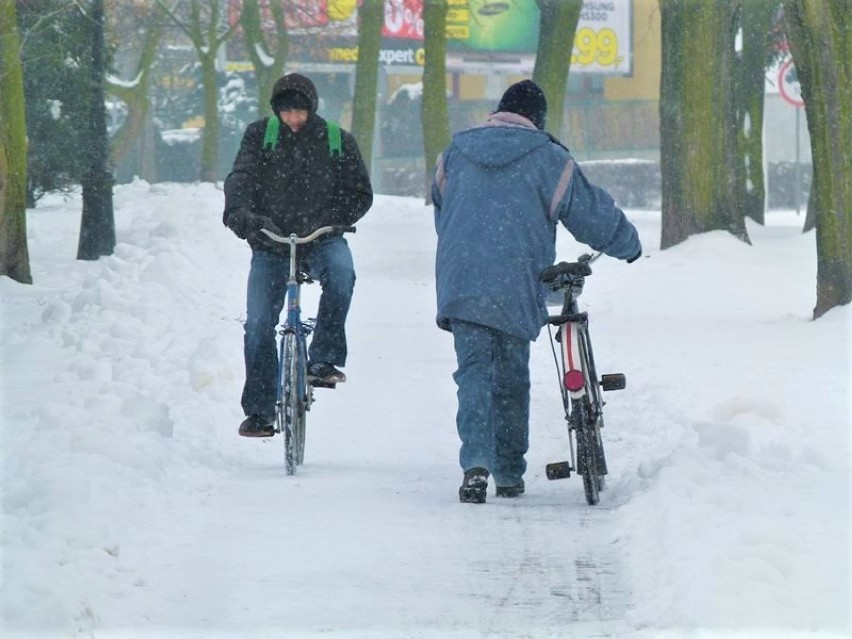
{"points": [[294, 82], [499, 146]]}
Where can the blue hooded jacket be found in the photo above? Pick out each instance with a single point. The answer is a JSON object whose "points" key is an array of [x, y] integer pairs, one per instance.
{"points": [[499, 190]]}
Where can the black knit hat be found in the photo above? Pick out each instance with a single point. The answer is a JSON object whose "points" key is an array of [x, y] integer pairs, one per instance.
{"points": [[527, 99]]}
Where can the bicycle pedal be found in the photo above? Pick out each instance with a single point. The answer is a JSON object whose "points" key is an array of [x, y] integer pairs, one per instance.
{"points": [[316, 383], [558, 470], [613, 381]]}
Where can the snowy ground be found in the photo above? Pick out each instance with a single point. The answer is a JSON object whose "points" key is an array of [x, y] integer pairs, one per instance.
{"points": [[131, 508]]}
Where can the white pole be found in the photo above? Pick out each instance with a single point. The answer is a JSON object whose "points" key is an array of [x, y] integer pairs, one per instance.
{"points": [[798, 165]]}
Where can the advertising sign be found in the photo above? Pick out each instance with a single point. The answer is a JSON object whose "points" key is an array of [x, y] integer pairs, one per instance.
{"points": [[504, 34], [603, 41], [488, 25], [403, 19], [493, 34]]}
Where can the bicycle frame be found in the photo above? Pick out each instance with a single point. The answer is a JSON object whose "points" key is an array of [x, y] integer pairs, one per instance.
{"points": [[294, 395], [579, 385], [294, 325]]}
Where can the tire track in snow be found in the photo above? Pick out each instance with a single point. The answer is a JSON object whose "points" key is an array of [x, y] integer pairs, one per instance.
{"points": [[565, 576]]}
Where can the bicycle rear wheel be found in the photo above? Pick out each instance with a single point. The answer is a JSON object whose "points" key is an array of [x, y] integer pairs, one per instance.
{"points": [[593, 409], [292, 406], [600, 458], [587, 457]]}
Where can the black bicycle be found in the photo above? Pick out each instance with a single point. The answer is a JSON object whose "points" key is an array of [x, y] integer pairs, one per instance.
{"points": [[295, 392], [579, 386]]}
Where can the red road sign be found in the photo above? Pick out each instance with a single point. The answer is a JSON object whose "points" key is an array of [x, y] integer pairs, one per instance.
{"points": [[788, 84]]}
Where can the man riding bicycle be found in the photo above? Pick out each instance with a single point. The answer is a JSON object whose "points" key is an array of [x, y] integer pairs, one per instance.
{"points": [[292, 181]]}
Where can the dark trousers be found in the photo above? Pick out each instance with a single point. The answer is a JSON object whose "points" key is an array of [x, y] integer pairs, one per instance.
{"points": [[493, 381], [329, 261]]}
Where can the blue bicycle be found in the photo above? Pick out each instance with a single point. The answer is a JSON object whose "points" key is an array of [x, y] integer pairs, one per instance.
{"points": [[294, 390]]}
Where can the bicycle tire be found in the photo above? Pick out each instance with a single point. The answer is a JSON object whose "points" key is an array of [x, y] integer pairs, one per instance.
{"points": [[594, 409], [292, 414], [303, 392], [586, 450], [600, 457]]}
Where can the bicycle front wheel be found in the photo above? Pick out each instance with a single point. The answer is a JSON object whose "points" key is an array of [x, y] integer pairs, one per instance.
{"points": [[304, 403], [292, 407]]}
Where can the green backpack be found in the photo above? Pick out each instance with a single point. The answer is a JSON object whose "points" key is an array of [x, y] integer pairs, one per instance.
{"points": [[273, 125]]}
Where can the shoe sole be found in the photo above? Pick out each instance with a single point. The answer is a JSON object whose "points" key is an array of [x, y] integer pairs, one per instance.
{"points": [[257, 435], [319, 383], [509, 491], [471, 497], [334, 379]]}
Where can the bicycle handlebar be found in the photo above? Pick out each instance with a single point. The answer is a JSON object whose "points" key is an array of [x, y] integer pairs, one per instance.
{"points": [[577, 269], [323, 230]]}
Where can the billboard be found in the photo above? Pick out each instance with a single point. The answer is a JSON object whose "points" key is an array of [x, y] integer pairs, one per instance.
{"points": [[492, 34], [603, 42]]}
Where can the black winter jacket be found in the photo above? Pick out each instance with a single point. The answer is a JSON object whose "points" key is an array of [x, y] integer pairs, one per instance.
{"points": [[297, 183]]}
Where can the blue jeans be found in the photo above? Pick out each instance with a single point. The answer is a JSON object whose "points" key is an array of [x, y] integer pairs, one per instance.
{"points": [[493, 380], [327, 260]]}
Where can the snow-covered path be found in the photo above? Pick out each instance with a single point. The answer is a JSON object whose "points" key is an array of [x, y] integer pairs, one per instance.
{"points": [[131, 508], [268, 560]]}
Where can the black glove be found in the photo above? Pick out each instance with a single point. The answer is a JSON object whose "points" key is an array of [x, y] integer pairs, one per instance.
{"points": [[254, 226], [247, 226], [237, 221], [635, 257]]}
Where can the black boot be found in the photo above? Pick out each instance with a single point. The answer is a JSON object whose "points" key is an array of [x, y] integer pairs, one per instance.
{"points": [[510, 491], [474, 486], [257, 426]]}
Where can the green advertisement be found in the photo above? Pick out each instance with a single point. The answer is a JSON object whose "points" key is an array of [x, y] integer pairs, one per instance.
{"points": [[492, 25]]}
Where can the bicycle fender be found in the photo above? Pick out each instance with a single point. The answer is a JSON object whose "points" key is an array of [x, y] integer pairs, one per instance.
{"points": [[574, 379]]}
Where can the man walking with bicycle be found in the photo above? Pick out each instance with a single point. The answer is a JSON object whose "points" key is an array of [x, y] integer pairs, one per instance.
{"points": [[499, 191], [294, 173]]}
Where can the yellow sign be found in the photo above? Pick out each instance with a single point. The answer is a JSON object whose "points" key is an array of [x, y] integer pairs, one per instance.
{"points": [[343, 54], [596, 47], [341, 10], [458, 31], [458, 15]]}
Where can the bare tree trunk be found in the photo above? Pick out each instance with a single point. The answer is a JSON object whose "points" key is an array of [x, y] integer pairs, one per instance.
{"points": [[14, 255], [210, 141], [819, 36], [697, 129], [136, 97], [371, 16], [756, 20], [557, 26], [97, 224], [677, 224], [205, 28], [435, 115], [810, 211], [269, 66]]}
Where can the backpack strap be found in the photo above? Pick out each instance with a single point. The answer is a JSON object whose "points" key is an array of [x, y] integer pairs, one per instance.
{"points": [[273, 126], [334, 142], [270, 138]]}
